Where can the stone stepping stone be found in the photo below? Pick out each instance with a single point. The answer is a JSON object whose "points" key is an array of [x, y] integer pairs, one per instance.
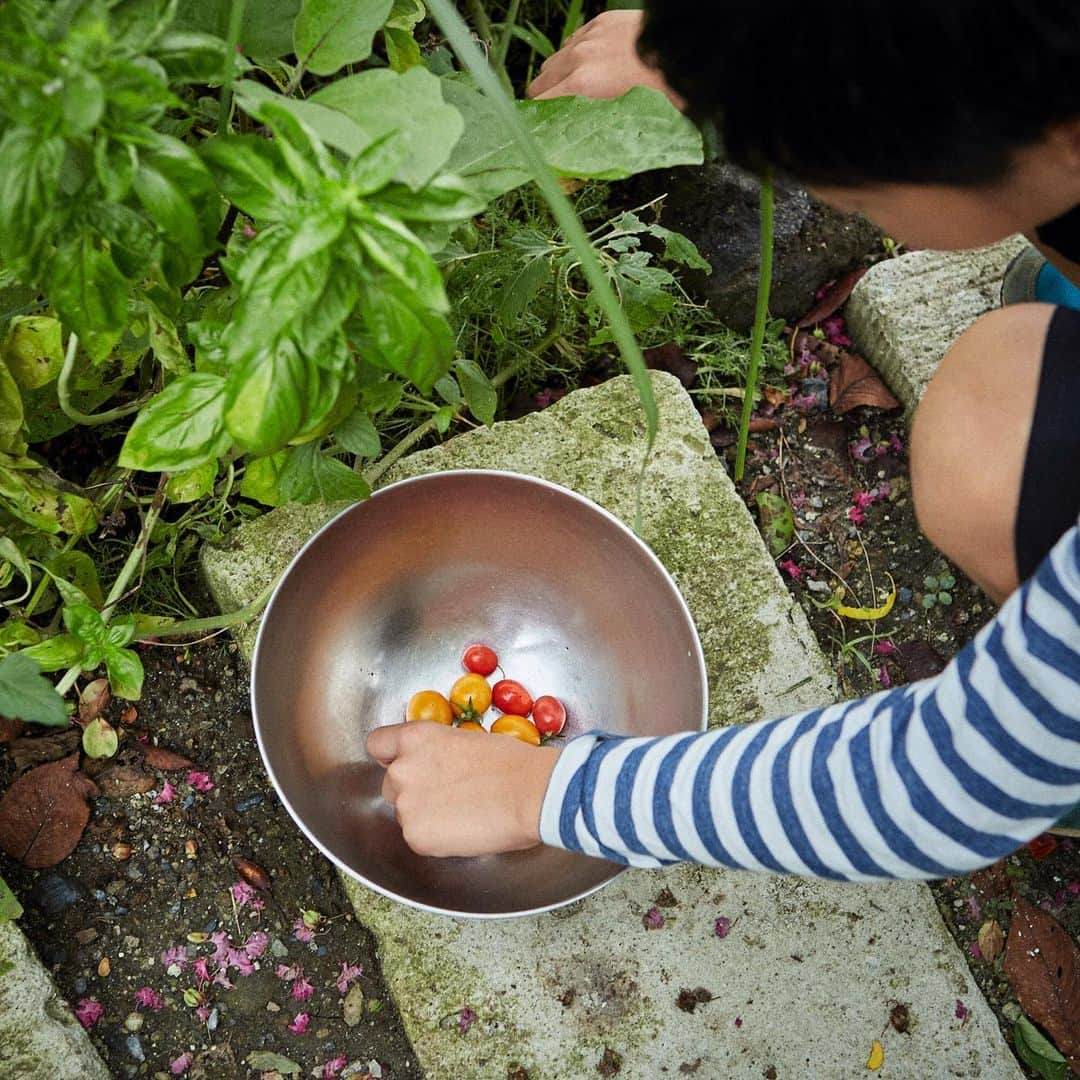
{"points": [[802, 984], [905, 313], [40, 1039]]}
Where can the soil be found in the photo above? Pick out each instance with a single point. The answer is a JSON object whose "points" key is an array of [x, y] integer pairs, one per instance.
{"points": [[101, 923]]}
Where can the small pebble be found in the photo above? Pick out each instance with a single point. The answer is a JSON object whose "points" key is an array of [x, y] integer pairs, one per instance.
{"points": [[188, 685], [188, 803], [278, 948], [133, 1021], [134, 1048], [80, 985], [273, 1006], [84, 937], [212, 1020], [54, 894], [211, 926], [249, 803], [904, 595]]}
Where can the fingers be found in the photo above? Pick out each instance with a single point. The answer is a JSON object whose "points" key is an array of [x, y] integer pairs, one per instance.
{"points": [[389, 789], [552, 72], [384, 743]]}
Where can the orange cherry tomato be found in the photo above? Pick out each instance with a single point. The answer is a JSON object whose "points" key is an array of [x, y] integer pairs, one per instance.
{"points": [[518, 726], [470, 725], [472, 694], [429, 705]]}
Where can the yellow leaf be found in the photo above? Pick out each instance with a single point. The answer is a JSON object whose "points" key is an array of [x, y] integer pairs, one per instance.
{"points": [[865, 614], [877, 1056]]}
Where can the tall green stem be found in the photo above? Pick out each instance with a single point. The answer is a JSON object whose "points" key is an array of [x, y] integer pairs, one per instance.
{"points": [[457, 33], [236, 20], [761, 316], [502, 46]]}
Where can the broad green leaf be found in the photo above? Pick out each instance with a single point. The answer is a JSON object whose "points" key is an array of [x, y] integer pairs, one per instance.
{"points": [[182, 427], [265, 399], [411, 105], [406, 14], [76, 578], [480, 395], [30, 170], [56, 653], [680, 249], [12, 417], [404, 337], [395, 249], [1037, 1052], [71, 592], [164, 340], [125, 671], [447, 388], [170, 208], [310, 476], [261, 477], [382, 396], [192, 484], [249, 173], [192, 56], [266, 32], [10, 553], [15, 633], [777, 522], [10, 908], [402, 49], [579, 137], [99, 738], [83, 99], [357, 434], [376, 165], [132, 238], [87, 290], [33, 350], [25, 694], [86, 624], [43, 506], [115, 165], [445, 199], [329, 34]]}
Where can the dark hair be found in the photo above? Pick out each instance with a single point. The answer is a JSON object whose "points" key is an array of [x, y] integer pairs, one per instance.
{"points": [[853, 92]]}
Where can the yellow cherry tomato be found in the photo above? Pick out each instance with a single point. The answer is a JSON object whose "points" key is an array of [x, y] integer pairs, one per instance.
{"points": [[429, 705], [518, 726], [470, 725], [471, 693]]}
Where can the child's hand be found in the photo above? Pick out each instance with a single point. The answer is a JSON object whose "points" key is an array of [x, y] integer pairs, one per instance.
{"points": [[600, 61], [462, 792]]}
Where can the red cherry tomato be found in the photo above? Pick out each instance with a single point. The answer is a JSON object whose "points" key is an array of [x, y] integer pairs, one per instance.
{"points": [[511, 697], [480, 659], [549, 715]]}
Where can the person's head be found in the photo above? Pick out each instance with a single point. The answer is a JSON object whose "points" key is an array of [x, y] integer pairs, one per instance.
{"points": [[951, 123]]}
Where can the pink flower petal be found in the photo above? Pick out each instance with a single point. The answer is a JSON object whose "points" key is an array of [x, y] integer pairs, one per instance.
{"points": [[332, 1067], [242, 893], [348, 973], [176, 955], [166, 795], [465, 1019], [180, 1065], [300, 1023], [88, 1012], [722, 927], [200, 781], [256, 944], [652, 919], [148, 998], [302, 989]]}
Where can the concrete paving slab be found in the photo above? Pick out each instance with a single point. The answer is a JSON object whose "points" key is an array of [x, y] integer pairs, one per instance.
{"points": [[906, 312], [803, 983], [40, 1039]]}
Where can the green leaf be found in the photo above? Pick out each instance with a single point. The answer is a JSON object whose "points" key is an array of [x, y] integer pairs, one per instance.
{"points": [[12, 417], [1037, 1052], [579, 137], [266, 31], [310, 476], [393, 248], [180, 428], [99, 739], [192, 56], [442, 419], [265, 399], [33, 351], [10, 908], [25, 694], [329, 34], [402, 49], [83, 99], [192, 484], [680, 249], [380, 101], [125, 671], [357, 434], [30, 170], [261, 476], [480, 395], [76, 578], [445, 199], [86, 624], [268, 1061], [777, 522], [170, 208], [404, 337], [249, 173], [382, 396], [406, 14], [43, 506], [164, 340], [15, 633], [447, 388], [57, 652], [87, 290]]}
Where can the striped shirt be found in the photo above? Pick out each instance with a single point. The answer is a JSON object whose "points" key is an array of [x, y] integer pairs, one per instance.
{"points": [[923, 781]]}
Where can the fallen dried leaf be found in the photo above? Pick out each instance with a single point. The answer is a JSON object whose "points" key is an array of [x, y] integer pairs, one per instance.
{"points": [[835, 295], [94, 698], [759, 424], [129, 716], [689, 1000], [28, 750], [991, 940], [854, 383], [43, 814], [120, 781], [10, 729], [157, 757], [877, 1056], [1043, 965], [104, 967], [252, 873], [266, 1060]]}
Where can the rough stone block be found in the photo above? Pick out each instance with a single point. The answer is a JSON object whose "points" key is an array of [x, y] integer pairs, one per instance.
{"points": [[808, 969], [40, 1039], [906, 312]]}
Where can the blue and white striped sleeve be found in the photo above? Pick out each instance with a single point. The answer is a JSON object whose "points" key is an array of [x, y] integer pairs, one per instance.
{"points": [[923, 781]]}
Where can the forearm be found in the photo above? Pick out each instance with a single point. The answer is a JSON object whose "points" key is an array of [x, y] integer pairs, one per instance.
{"points": [[919, 782]]}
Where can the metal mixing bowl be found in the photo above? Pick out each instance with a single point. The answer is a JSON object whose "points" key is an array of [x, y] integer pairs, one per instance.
{"points": [[382, 601]]}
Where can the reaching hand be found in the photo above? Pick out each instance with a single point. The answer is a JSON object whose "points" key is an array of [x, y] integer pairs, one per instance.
{"points": [[462, 792], [600, 61]]}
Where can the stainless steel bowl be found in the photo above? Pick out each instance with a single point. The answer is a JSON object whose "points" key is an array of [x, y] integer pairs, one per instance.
{"points": [[381, 603]]}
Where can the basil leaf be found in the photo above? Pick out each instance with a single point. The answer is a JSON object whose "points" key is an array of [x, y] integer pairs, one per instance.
{"points": [[60, 651], [33, 350], [44, 507], [189, 56], [30, 170], [393, 248], [248, 172], [180, 428], [86, 624], [265, 399], [1037, 1052], [261, 477], [192, 484], [125, 672], [329, 34], [85, 287], [25, 694], [12, 418], [480, 395], [170, 208], [310, 476], [10, 908], [357, 434], [445, 199]]}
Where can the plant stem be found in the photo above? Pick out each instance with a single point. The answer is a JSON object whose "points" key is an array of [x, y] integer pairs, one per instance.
{"points": [[457, 33], [212, 622], [63, 393], [502, 46], [236, 20], [478, 14], [765, 202]]}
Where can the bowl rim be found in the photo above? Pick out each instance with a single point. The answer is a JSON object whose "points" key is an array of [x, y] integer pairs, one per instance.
{"points": [[647, 551]]}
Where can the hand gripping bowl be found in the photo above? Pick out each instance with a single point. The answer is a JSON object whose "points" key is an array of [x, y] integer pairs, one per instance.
{"points": [[382, 602]]}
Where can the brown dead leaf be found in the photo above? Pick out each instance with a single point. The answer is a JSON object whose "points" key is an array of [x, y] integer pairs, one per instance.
{"points": [[9, 729], [94, 698], [120, 781], [920, 660], [252, 873], [672, 359], [991, 940], [28, 751], [157, 757], [991, 883], [1043, 965], [775, 395], [43, 814], [835, 295], [759, 424], [854, 382]]}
